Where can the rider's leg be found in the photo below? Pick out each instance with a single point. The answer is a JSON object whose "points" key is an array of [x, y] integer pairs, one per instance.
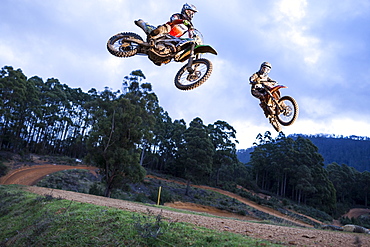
{"points": [[160, 30], [264, 108], [142, 25], [256, 93]]}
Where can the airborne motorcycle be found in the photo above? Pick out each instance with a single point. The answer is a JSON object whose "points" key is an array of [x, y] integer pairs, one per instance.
{"points": [[279, 110], [178, 46]]}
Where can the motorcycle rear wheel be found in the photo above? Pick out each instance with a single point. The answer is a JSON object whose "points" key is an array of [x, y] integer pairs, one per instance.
{"points": [[119, 47], [187, 81], [289, 114]]}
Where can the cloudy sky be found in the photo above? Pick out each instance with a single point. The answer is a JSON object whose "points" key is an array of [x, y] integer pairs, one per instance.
{"points": [[319, 49]]}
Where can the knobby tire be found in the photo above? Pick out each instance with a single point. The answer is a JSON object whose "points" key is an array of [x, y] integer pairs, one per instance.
{"points": [[130, 50], [295, 111], [183, 71]]}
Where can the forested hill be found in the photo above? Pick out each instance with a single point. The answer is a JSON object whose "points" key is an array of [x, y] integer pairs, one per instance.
{"points": [[353, 151]]}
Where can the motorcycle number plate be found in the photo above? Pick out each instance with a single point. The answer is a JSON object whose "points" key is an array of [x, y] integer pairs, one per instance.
{"points": [[178, 30]]}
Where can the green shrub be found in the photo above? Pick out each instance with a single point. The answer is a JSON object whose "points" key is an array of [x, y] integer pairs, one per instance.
{"points": [[361, 221], [141, 197], [3, 169], [77, 180], [97, 189], [242, 212], [166, 196]]}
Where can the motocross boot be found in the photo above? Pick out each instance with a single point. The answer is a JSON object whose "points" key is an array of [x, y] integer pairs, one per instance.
{"points": [[163, 62], [264, 108], [273, 121], [140, 23]]}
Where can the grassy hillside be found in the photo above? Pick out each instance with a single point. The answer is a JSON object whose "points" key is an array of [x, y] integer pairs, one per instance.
{"points": [[146, 192], [31, 220]]}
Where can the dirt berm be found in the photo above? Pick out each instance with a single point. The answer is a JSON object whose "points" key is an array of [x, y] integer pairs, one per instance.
{"points": [[297, 236]]}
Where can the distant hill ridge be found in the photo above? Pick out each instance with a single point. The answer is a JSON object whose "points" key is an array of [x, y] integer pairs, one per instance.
{"points": [[351, 150]]}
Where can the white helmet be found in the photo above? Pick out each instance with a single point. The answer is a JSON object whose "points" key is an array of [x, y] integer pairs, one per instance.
{"points": [[188, 11], [266, 64], [265, 68]]}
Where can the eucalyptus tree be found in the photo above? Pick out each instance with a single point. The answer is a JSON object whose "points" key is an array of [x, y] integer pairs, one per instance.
{"points": [[19, 97], [141, 94], [37, 116], [284, 165], [165, 143], [195, 155], [261, 160], [344, 179], [113, 140], [295, 169], [223, 137], [364, 188], [122, 130], [35, 108], [172, 146]]}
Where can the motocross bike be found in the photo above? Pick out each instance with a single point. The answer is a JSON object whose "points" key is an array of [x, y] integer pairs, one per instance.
{"points": [[279, 110], [179, 47]]}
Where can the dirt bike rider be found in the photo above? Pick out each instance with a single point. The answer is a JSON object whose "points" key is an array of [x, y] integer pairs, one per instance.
{"points": [[179, 23], [257, 80], [181, 20]]}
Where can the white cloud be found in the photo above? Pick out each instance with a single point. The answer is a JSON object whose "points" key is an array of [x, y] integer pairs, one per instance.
{"points": [[247, 131], [291, 28], [306, 41], [339, 126], [6, 52], [317, 107], [294, 10]]}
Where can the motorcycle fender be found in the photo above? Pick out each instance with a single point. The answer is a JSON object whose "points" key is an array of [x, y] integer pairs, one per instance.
{"points": [[205, 49], [198, 49], [277, 88], [138, 41]]}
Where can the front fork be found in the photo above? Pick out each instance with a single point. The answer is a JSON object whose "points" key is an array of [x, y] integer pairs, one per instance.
{"points": [[191, 58], [278, 107]]}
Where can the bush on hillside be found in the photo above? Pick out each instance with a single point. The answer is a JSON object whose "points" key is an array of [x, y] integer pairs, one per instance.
{"points": [[3, 169], [73, 180], [363, 221]]}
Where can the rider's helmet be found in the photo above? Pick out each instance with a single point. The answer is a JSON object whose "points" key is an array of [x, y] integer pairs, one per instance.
{"points": [[265, 68], [188, 11]]}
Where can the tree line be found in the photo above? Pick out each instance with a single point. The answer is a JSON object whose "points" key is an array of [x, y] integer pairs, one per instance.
{"points": [[350, 150], [121, 132], [293, 168], [42, 117], [126, 132]]}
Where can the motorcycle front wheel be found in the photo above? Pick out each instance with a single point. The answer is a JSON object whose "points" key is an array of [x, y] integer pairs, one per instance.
{"points": [[118, 45], [289, 112], [201, 70]]}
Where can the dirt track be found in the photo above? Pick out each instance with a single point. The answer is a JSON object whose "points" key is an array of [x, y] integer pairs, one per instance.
{"points": [[296, 236], [241, 199], [288, 235], [32, 174], [356, 212]]}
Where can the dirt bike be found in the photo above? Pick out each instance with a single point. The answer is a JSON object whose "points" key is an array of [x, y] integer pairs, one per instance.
{"points": [[179, 47], [279, 110]]}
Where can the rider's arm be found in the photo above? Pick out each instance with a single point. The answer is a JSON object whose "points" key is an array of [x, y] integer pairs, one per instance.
{"points": [[271, 80], [175, 17], [254, 79], [179, 21]]}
